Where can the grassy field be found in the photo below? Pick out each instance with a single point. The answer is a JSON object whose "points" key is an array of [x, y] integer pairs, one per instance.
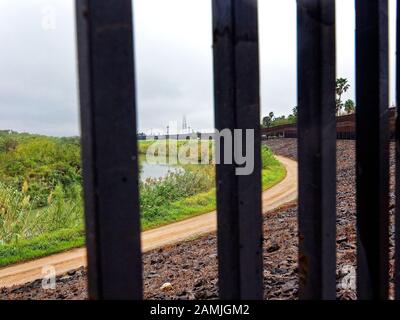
{"points": [[41, 207]]}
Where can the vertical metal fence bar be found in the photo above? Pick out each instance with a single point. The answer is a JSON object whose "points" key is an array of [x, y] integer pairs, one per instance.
{"points": [[237, 106], [397, 139], [316, 148], [110, 168], [372, 171]]}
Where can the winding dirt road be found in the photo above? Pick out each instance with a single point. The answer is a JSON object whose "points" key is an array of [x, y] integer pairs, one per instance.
{"points": [[273, 198]]}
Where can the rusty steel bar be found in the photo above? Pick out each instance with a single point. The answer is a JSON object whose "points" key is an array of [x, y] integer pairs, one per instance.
{"points": [[372, 148], [316, 148], [109, 154], [237, 106], [397, 139]]}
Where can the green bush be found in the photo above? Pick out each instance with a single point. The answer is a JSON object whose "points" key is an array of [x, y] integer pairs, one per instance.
{"points": [[157, 194], [40, 164], [268, 159], [41, 205]]}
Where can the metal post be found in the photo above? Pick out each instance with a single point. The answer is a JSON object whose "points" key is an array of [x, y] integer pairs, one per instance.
{"points": [[316, 148], [110, 167], [237, 106], [372, 148], [397, 139]]}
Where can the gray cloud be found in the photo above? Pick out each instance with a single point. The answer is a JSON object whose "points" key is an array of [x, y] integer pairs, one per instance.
{"points": [[38, 85], [37, 68]]}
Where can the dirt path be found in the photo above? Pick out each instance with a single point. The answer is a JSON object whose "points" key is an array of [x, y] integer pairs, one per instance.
{"points": [[273, 198]]}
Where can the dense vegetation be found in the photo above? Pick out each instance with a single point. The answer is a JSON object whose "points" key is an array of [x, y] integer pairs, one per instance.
{"points": [[272, 121], [41, 206], [40, 185]]}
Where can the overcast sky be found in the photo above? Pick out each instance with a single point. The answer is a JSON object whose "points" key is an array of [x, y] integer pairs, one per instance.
{"points": [[38, 73]]}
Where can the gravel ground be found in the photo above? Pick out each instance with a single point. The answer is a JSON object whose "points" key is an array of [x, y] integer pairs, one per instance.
{"points": [[191, 267]]}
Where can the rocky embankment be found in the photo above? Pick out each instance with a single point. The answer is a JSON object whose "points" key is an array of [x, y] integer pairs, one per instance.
{"points": [[189, 270]]}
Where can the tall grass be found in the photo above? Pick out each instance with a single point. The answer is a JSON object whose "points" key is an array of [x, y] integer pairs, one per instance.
{"points": [[158, 195], [20, 219], [31, 228], [161, 200], [268, 159]]}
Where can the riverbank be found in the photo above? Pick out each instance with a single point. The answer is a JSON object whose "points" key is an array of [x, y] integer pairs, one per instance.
{"points": [[56, 225], [151, 240], [191, 267]]}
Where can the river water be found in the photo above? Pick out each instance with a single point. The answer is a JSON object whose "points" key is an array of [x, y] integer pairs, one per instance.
{"points": [[155, 171]]}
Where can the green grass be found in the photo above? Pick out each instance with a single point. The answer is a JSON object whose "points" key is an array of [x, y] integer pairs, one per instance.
{"points": [[67, 239], [41, 246], [183, 209], [34, 233], [206, 201], [272, 176]]}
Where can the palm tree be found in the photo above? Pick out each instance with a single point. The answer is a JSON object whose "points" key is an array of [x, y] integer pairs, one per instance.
{"points": [[271, 115], [349, 106], [342, 86], [267, 121]]}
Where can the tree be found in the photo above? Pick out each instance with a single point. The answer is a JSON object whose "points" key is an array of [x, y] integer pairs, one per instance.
{"points": [[349, 106], [339, 106], [342, 86], [295, 111], [267, 121]]}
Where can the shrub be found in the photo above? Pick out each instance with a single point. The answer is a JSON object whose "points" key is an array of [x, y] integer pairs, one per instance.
{"points": [[20, 220], [42, 163], [268, 159], [157, 194]]}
